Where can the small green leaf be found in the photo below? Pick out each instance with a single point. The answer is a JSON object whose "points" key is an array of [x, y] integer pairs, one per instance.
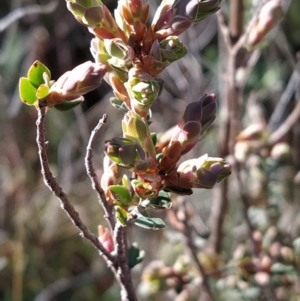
{"points": [[135, 255], [280, 268], [42, 91], [152, 223], [154, 138], [35, 73], [121, 215], [69, 104], [126, 182], [119, 104], [159, 157], [120, 194], [27, 91], [162, 201]]}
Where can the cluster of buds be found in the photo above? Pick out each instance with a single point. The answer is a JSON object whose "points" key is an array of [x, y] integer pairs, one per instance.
{"points": [[130, 55], [158, 169], [272, 262], [134, 54], [157, 277]]}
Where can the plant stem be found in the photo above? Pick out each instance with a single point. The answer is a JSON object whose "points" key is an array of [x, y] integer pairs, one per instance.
{"points": [[123, 272], [52, 184], [93, 176]]}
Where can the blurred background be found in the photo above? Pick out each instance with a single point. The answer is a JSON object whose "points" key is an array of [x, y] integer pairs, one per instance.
{"points": [[42, 256]]}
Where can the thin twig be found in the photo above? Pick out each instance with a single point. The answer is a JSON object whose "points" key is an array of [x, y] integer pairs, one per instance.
{"points": [[117, 262], [93, 176], [25, 11], [123, 273], [284, 100], [236, 19], [223, 29], [286, 126], [52, 184], [246, 205], [187, 231], [231, 108], [228, 129]]}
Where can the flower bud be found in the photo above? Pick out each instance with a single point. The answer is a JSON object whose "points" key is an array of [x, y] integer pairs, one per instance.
{"points": [[131, 16], [197, 10], [172, 49], [204, 172], [142, 89], [136, 129], [164, 53], [126, 153], [171, 155], [105, 238], [143, 190], [281, 152], [174, 17], [111, 173], [72, 84], [95, 15], [121, 55], [255, 131], [167, 23], [118, 88], [197, 118], [269, 16], [114, 53]]}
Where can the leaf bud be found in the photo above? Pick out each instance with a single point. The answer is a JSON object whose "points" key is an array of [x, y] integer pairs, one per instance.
{"points": [[72, 84], [204, 172]]}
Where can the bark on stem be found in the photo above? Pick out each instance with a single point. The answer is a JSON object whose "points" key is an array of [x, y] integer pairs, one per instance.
{"points": [[231, 110], [52, 184], [93, 176]]}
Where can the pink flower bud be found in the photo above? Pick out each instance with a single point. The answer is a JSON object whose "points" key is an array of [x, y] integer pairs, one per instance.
{"points": [[105, 238], [73, 84]]}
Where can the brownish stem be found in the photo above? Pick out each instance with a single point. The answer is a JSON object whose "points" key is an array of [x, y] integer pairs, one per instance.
{"points": [[183, 217], [231, 109], [117, 262], [123, 273], [217, 216], [236, 18], [52, 184], [108, 209]]}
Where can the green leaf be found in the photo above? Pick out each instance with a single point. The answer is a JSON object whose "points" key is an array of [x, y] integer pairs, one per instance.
{"points": [[121, 215], [42, 91], [152, 223], [280, 268], [69, 104], [251, 293], [27, 91], [120, 194], [162, 201], [119, 104], [154, 138], [126, 182], [296, 244], [135, 255], [35, 73]]}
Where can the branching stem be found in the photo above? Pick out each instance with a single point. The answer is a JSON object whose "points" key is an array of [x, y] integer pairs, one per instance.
{"points": [[52, 184]]}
